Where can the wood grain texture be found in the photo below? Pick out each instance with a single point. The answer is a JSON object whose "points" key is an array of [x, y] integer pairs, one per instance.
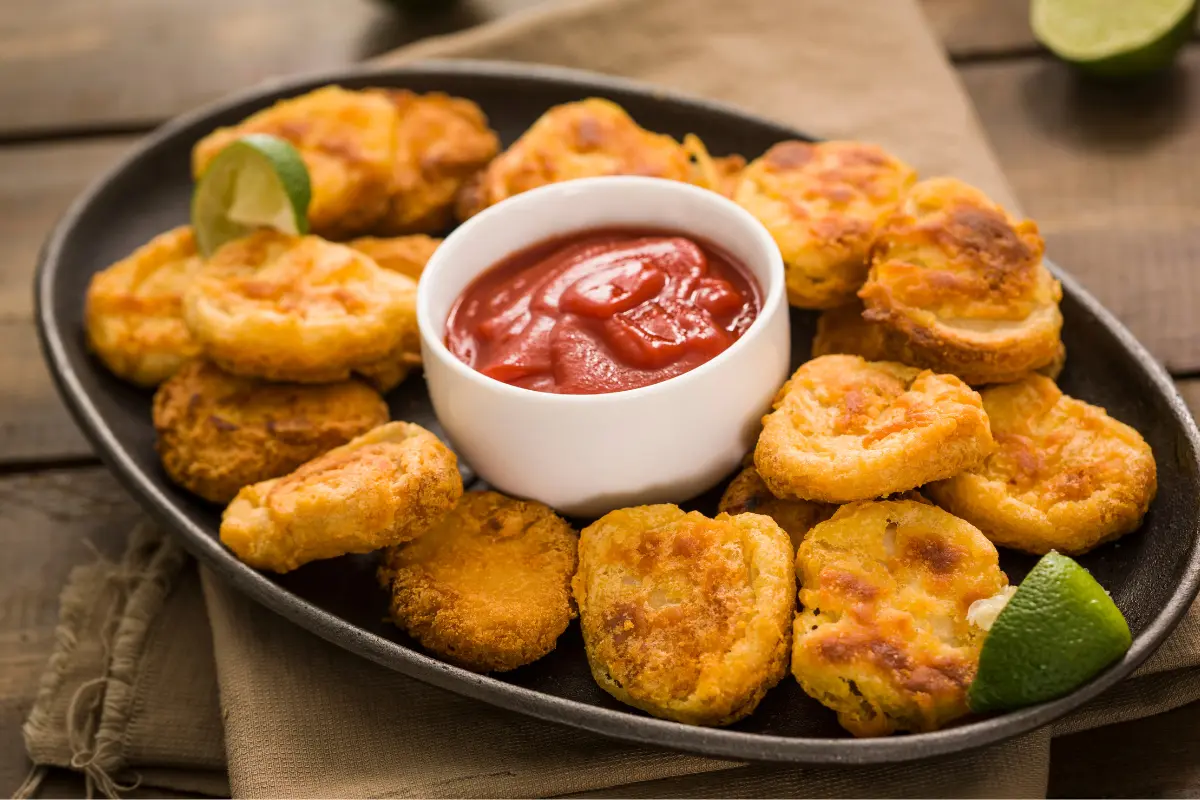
{"points": [[34, 425]]}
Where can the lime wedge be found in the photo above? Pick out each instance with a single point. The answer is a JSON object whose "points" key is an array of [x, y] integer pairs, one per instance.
{"points": [[1057, 631], [1114, 37], [257, 181]]}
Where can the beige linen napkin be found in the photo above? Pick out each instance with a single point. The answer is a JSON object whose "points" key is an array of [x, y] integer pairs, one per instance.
{"points": [[131, 693]]}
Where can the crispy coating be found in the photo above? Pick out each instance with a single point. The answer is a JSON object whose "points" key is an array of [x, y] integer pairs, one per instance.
{"points": [[489, 586], [384, 488], [719, 174], [847, 429], [747, 494], [685, 617], [882, 636], [822, 203], [301, 309], [963, 283], [407, 255], [218, 432], [584, 139], [133, 314], [1065, 476], [348, 142]]}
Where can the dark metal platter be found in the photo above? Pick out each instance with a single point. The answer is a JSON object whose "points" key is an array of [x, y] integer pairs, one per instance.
{"points": [[1153, 574]]}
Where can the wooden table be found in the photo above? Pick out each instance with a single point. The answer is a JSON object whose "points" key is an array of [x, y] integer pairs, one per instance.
{"points": [[1110, 173]]}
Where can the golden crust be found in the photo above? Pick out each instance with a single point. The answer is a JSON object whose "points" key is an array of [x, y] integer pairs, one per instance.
{"points": [[407, 255], [218, 433], [133, 314], [882, 636], [822, 203], [719, 174], [489, 586], [1065, 476], [384, 488], [747, 494], [847, 429], [301, 309], [963, 284], [685, 617]]}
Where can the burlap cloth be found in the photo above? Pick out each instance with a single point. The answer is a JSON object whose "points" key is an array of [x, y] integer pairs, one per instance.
{"points": [[167, 678]]}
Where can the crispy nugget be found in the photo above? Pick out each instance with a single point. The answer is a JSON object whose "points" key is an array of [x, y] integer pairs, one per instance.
{"points": [[847, 429], [822, 202], [882, 636], [489, 586], [301, 309], [963, 284], [747, 494], [685, 617], [384, 488], [584, 139], [719, 174], [1065, 476], [218, 432], [133, 314], [407, 255]]}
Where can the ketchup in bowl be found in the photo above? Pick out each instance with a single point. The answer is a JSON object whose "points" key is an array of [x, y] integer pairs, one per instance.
{"points": [[602, 311]]}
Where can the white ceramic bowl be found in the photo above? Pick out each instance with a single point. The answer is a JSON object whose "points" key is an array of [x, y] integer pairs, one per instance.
{"points": [[588, 454]]}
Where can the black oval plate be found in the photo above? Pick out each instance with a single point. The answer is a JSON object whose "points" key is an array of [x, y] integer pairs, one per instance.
{"points": [[1153, 575]]}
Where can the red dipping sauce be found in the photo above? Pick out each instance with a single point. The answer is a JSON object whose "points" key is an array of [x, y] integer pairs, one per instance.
{"points": [[602, 311]]}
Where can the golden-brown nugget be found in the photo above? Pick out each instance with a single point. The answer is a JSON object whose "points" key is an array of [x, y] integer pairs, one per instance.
{"points": [[822, 203], [489, 586], [747, 494], [133, 314], [407, 255], [882, 636], [218, 432], [685, 617], [847, 429], [348, 142], [384, 488], [963, 283], [1065, 476], [720, 174], [301, 309]]}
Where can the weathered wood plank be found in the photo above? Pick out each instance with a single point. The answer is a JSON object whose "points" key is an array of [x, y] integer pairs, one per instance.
{"points": [[34, 424]]}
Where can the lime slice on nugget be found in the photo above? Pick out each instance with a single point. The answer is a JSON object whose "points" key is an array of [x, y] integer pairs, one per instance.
{"points": [[1057, 631], [1114, 37], [257, 181]]}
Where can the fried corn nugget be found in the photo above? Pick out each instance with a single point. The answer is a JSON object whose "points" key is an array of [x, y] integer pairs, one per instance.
{"points": [[300, 309], [489, 586], [407, 255], [882, 636], [719, 174], [218, 432], [584, 139], [685, 617], [846, 429], [747, 494], [383, 488], [1065, 476], [822, 202], [963, 284], [348, 142], [133, 314]]}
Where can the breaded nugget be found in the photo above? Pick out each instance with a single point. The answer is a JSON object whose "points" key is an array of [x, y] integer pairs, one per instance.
{"points": [[685, 617], [301, 309], [964, 284], [348, 142], [384, 488], [1065, 476], [133, 315], [882, 636], [584, 139], [847, 429], [747, 494], [719, 174], [407, 255], [822, 202], [489, 586], [218, 433]]}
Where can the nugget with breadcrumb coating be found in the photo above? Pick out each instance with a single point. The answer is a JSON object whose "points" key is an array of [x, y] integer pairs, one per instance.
{"points": [[963, 283], [407, 255], [882, 636], [1065, 476], [822, 202], [489, 586], [719, 174], [302, 309], [747, 494], [383, 488], [845, 429], [133, 313], [218, 432], [685, 617]]}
